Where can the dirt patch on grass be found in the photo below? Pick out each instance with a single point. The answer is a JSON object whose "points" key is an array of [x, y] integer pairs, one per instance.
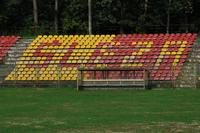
{"points": [[141, 128]]}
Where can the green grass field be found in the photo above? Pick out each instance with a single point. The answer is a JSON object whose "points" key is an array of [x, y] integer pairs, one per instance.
{"points": [[66, 110]]}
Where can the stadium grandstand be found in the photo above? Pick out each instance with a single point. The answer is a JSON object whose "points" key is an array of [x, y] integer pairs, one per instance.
{"points": [[59, 57], [99, 66]]}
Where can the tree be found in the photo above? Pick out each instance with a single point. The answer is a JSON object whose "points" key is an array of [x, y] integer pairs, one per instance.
{"points": [[74, 17], [3, 17], [108, 16]]}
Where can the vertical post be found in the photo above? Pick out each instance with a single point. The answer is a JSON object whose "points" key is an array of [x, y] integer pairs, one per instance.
{"points": [[148, 80], [174, 77], [195, 75], [36, 75], [171, 71], [144, 77], [58, 75], [15, 71], [95, 74], [15, 67], [90, 17], [78, 77]]}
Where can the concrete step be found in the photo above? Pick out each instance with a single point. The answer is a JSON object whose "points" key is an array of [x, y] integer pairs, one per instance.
{"points": [[16, 52], [187, 77], [5, 70]]}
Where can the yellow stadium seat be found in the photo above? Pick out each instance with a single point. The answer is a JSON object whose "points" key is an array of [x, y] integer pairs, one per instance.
{"points": [[176, 60], [41, 62], [174, 64], [74, 61], [179, 42], [88, 46], [62, 78], [181, 49], [78, 54], [173, 42], [28, 58], [84, 61], [96, 61], [162, 53], [23, 78], [124, 61], [183, 45], [179, 53], [76, 57], [73, 72], [157, 64], [134, 53], [140, 65], [73, 78], [184, 42], [167, 42], [46, 78], [84, 54], [173, 53], [177, 56], [139, 53], [93, 46], [79, 61], [25, 54], [87, 57], [69, 61], [30, 54]]}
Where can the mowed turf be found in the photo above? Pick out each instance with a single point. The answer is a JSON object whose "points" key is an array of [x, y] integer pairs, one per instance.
{"points": [[49, 110]]}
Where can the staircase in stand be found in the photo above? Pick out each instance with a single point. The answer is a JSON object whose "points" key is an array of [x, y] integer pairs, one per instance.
{"points": [[188, 77], [5, 69], [16, 51], [13, 55]]}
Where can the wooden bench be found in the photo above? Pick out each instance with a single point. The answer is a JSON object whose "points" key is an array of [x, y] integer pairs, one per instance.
{"points": [[111, 83]]}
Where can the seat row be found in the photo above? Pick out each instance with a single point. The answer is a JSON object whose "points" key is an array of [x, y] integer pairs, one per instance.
{"points": [[122, 35]]}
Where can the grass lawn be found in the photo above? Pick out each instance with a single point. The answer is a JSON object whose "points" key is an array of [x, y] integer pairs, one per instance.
{"points": [[25, 110]]}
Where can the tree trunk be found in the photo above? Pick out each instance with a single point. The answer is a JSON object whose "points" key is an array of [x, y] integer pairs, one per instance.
{"points": [[121, 17], [56, 16], [186, 22], [35, 14], [145, 7], [90, 17], [168, 16]]}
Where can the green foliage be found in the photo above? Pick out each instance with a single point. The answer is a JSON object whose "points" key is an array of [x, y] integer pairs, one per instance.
{"points": [[75, 17], [109, 16]]}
